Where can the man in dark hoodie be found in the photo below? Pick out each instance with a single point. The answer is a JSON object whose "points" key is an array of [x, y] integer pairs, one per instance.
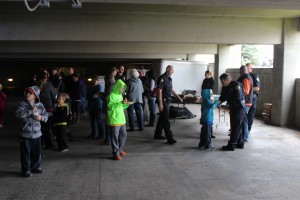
{"points": [[47, 98], [30, 113]]}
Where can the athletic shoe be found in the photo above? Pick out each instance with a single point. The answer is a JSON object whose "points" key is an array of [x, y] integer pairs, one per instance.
{"points": [[27, 174], [122, 153], [160, 137], [117, 157], [38, 171]]}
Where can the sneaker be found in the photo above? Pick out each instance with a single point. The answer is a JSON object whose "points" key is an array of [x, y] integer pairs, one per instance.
{"points": [[211, 148], [240, 146], [117, 157], [38, 171], [227, 148], [171, 141], [27, 174], [160, 137], [64, 150], [122, 153], [201, 147]]}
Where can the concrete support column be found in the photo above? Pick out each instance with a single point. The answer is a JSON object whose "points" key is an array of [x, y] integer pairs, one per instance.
{"points": [[286, 70], [229, 56]]}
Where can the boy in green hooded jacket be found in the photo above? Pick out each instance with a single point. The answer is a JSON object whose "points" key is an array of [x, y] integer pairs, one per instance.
{"points": [[116, 118]]}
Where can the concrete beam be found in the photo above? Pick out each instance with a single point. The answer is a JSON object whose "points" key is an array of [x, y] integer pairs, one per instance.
{"points": [[106, 47], [140, 28]]}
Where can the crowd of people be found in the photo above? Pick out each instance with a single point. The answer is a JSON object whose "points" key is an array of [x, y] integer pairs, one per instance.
{"points": [[54, 101]]}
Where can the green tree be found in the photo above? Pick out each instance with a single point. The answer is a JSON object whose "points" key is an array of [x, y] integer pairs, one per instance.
{"points": [[250, 54]]}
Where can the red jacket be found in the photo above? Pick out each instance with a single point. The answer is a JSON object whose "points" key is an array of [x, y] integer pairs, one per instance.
{"points": [[2, 99]]}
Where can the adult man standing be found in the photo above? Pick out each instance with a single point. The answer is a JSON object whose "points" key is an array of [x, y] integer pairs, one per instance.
{"points": [[233, 93], [256, 86], [247, 82], [165, 91], [121, 74], [95, 102]]}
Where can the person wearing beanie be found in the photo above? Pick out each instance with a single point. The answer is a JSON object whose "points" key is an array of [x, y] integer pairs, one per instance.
{"points": [[30, 113]]}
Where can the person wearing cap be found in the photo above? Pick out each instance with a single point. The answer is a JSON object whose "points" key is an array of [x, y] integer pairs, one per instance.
{"points": [[95, 97], [30, 113]]}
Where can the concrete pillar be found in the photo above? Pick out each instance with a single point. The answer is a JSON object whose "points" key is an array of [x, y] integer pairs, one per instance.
{"points": [[229, 56], [286, 70]]}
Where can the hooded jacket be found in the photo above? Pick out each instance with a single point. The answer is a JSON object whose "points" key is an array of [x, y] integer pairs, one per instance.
{"points": [[47, 96], [207, 106], [115, 107], [135, 90], [31, 128]]}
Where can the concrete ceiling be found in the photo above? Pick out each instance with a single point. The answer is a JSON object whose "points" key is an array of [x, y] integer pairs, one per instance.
{"points": [[234, 8]]}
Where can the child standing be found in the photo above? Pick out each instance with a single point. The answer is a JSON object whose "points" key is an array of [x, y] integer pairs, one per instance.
{"points": [[2, 100], [116, 119], [30, 113], [60, 117], [207, 118]]}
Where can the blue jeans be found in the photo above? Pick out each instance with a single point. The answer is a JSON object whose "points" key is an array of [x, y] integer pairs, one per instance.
{"points": [[139, 115], [251, 112], [152, 109], [95, 119], [245, 124], [205, 136], [31, 150]]}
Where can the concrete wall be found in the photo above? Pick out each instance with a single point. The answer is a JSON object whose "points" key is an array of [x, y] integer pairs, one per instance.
{"points": [[297, 109], [266, 89], [188, 75], [286, 71]]}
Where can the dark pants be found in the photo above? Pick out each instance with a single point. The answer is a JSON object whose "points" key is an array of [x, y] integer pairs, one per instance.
{"points": [[205, 136], [236, 120], [76, 105], [96, 120], [139, 115], [251, 112], [152, 109], [47, 133], [62, 136], [164, 122], [30, 150]]}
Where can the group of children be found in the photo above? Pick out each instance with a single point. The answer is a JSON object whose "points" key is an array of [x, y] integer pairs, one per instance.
{"points": [[31, 113]]}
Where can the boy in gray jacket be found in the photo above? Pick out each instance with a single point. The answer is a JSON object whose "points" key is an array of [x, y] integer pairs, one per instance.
{"points": [[30, 113]]}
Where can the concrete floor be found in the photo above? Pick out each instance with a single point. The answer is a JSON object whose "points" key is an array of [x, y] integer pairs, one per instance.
{"points": [[268, 167]]}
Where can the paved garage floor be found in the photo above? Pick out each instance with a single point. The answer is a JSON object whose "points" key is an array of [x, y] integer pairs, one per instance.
{"points": [[268, 167]]}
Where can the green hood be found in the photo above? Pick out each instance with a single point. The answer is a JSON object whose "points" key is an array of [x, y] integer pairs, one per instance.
{"points": [[115, 106], [117, 86]]}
